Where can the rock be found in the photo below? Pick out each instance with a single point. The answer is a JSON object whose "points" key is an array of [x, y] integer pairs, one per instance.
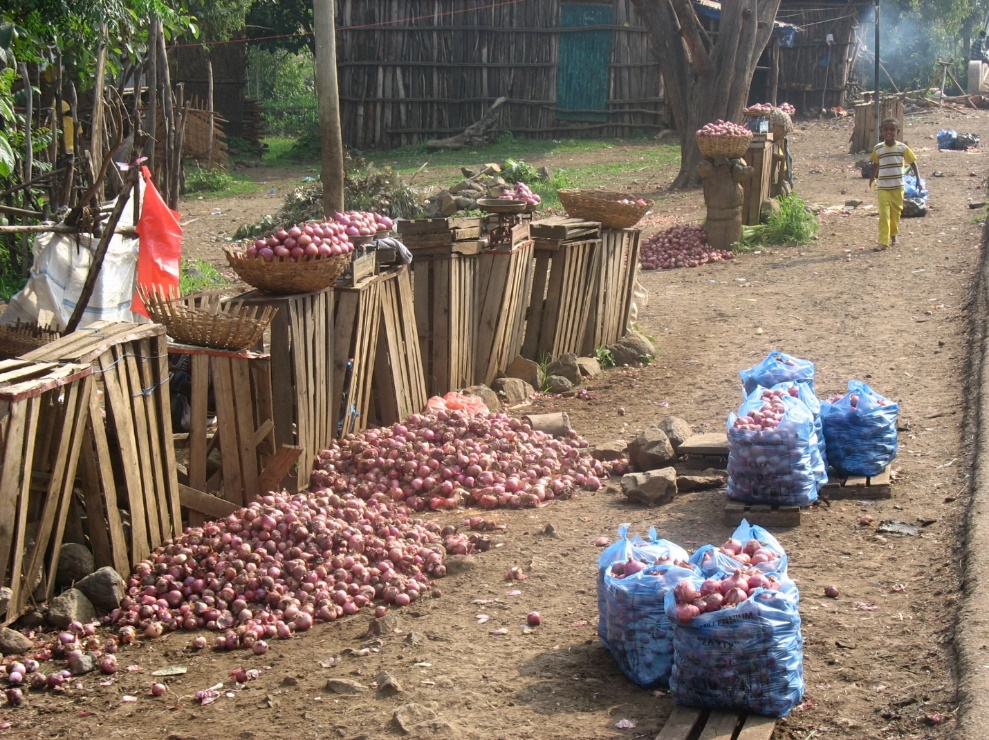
{"points": [[632, 349], [558, 384], [589, 367], [650, 450], [565, 366], [386, 625], [701, 481], [104, 588], [447, 204], [513, 390], [462, 186], [468, 172], [458, 564], [290, 681], [71, 605], [407, 716], [75, 562], [609, 451], [343, 686], [5, 594], [545, 174], [852, 203], [491, 168], [677, 430], [526, 370], [387, 685], [13, 642], [464, 203], [33, 619], [769, 209], [652, 488], [81, 664], [487, 395], [413, 639]]}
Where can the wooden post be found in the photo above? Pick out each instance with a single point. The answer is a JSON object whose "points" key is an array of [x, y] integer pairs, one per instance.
{"points": [[168, 117], [151, 121], [723, 195], [210, 120], [328, 94], [96, 124], [776, 70]]}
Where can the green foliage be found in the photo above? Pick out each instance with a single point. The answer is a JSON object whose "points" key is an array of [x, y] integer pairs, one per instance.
{"points": [[281, 24], [207, 181], [368, 188], [519, 171], [277, 149], [199, 275], [794, 224], [604, 357], [285, 84]]}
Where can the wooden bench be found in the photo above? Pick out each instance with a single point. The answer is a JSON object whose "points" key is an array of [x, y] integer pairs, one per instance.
{"points": [[689, 723]]}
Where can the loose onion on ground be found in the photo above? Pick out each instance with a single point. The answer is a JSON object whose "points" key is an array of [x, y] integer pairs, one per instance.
{"points": [[679, 246]]}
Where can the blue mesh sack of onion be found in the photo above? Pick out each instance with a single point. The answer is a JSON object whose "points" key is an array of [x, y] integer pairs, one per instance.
{"points": [[777, 368], [772, 452], [805, 393], [750, 546], [860, 430]]}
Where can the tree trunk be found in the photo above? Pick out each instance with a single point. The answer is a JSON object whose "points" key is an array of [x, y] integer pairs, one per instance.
{"points": [[705, 80], [328, 94], [723, 196]]}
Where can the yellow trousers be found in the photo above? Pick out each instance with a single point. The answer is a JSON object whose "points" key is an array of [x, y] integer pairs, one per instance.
{"points": [[890, 208]]}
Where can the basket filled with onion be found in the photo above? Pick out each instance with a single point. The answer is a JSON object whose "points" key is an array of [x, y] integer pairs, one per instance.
{"points": [[723, 139]]}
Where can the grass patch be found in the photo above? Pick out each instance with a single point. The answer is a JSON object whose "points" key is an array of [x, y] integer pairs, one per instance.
{"points": [[200, 275], [278, 149]]}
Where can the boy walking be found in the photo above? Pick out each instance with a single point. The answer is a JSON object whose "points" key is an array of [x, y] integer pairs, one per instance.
{"points": [[889, 157]]}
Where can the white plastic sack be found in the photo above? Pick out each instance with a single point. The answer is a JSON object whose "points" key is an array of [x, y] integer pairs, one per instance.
{"points": [[61, 264]]}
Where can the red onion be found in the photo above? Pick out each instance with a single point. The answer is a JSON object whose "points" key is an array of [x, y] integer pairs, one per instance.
{"points": [[157, 689], [108, 664], [15, 697], [679, 246], [534, 619]]}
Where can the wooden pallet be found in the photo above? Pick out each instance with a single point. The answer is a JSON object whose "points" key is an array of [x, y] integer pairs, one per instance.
{"points": [[134, 441], [301, 345], [446, 319], [613, 281], [44, 409], [869, 488], [761, 514], [688, 723], [560, 301], [503, 287], [244, 435], [564, 228]]}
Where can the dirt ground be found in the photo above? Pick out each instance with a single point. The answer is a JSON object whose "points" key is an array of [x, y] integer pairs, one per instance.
{"points": [[878, 661]]}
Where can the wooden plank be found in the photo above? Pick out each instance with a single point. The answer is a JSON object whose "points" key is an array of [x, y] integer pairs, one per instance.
{"points": [[226, 423], [440, 324], [720, 725], [422, 295], [212, 506], [135, 400], [303, 379], [263, 405], [198, 397], [282, 393], [563, 228], [861, 488], [714, 444], [153, 386], [766, 516], [757, 727], [536, 305], [99, 532], [428, 241], [345, 321], [433, 225], [247, 448], [15, 491], [415, 398], [682, 722], [96, 430], [278, 467], [169, 472]]}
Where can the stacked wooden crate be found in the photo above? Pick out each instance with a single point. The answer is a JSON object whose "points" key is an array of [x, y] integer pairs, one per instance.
{"points": [[563, 286], [445, 270], [612, 285]]}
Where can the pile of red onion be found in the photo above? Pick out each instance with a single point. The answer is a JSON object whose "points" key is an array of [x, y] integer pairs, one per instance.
{"points": [[450, 458], [715, 594], [771, 413], [523, 193], [280, 565], [722, 128], [679, 246], [326, 239]]}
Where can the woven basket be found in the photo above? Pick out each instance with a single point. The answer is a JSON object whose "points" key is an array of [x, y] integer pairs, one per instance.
{"points": [[284, 277], [207, 319], [18, 339], [724, 146], [603, 206]]}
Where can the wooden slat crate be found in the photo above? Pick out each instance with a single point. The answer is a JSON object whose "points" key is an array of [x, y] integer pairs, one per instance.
{"points": [[756, 190], [356, 325], [560, 301], [445, 290], [761, 514], [503, 287], [128, 458], [688, 723], [564, 228], [613, 277], [862, 488], [300, 345], [244, 434], [44, 408], [430, 233]]}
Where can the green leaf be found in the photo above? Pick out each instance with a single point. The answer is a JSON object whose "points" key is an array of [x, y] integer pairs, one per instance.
{"points": [[6, 157]]}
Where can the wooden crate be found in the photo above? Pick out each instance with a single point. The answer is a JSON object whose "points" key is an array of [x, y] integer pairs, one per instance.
{"points": [[613, 279], [560, 302], [503, 287], [756, 189], [244, 434], [857, 487], [689, 723], [445, 290], [761, 514], [44, 409], [564, 228], [128, 459], [429, 233], [378, 375], [300, 344]]}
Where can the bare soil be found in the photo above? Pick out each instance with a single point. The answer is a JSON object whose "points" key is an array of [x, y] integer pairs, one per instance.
{"points": [[878, 660]]}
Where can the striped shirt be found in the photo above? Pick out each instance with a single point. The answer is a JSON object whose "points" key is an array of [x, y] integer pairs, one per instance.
{"points": [[892, 160]]}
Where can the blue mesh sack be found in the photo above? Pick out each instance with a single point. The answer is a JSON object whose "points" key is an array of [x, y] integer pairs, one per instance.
{"points": [[710, 560], [777, 368], [747, 657], [773, 466], [946, 138], [634, 627], [803, 392], [860, 429]]}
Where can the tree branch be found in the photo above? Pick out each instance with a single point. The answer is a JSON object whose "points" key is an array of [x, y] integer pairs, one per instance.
{"points": [[690, 30]]}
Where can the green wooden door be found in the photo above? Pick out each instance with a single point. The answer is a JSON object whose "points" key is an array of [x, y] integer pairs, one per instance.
{"points": [[583, 69]]}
